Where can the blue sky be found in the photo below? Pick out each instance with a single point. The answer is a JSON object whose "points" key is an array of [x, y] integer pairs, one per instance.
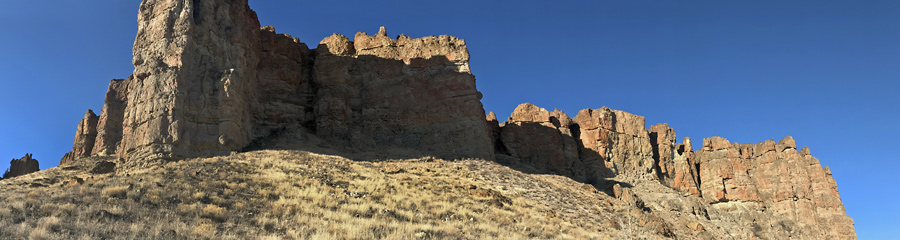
{"points": [[824, 72]]}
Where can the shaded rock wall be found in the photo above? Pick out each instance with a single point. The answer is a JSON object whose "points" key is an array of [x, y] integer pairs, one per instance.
{"points": [[405, 92], [109, 127], [21, 166]]}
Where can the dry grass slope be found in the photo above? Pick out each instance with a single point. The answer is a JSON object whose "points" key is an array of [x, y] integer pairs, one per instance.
{"points": [[288, 194]]}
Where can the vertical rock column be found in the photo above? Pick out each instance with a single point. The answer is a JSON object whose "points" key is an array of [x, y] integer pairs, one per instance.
{"points": [[194, 79], [109, 127], [84, 138]]}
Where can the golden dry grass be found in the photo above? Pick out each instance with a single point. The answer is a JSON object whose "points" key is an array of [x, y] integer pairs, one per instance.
{"points": [[288, 194]]}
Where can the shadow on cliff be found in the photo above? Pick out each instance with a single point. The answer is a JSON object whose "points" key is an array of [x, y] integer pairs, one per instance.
{"points": [[376, 108], [369, 108], [552, 153]]}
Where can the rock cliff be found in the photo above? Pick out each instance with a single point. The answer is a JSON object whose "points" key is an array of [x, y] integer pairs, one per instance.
{"points": [[771, 188], [208, 80], [21, 166]]}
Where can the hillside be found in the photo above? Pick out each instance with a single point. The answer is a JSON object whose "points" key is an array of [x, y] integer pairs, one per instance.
{"points": [[229, 130], [294, 194]]}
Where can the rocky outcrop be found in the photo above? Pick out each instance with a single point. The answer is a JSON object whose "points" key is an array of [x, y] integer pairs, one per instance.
{"points": [[406, 92], [85, 137], [86, 134], [21, 166], [208, 80], [777, 178], [778, 191], [195, 75], [542, 139], [109, 127], [675, 165], [617, 139]]}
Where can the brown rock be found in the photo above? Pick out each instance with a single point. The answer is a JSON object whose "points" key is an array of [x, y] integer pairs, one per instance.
{"points": [[21, 166], [210, 81], [103, 167], [792, 185], [109, 126], [67, 158], [539, 139], [494, 126], [615, 143], [285, 92], [662, 139], [195, 80], [85, 135], [408, 93], [73, 181]]}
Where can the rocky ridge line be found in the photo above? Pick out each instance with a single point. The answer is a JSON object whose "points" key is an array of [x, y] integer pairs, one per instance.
{"points": [[783, 192], [209, 81]]}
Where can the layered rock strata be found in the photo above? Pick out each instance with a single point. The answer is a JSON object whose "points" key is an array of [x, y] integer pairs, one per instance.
{"points": [[405, 92], [21, 166], [776, 190], [208, 80], [776, 178]]}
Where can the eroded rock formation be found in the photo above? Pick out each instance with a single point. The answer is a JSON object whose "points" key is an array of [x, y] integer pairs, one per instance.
{"points": [[208, 80], [778, 191], [21, 166], [109, 127]]}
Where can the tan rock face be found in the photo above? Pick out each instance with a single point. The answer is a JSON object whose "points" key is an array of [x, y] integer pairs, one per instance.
{"points": [[781, 191], [195, 79], [792, 185], [22, 166], [208, 80], [618, 140]]}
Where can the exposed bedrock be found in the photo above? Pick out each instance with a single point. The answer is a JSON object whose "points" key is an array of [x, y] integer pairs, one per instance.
{"points": [[208, 80], [783, 191]]}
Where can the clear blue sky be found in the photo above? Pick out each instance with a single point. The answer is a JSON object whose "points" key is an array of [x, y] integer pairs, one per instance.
{"points": [[825, 72]]}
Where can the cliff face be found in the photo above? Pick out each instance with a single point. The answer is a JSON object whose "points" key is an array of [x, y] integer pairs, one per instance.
{"points": [[208, 81], [770, 188]]}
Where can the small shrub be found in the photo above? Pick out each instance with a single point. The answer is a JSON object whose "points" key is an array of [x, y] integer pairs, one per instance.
{"points": [[215, 213], [116, 192], [205, 230]]}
